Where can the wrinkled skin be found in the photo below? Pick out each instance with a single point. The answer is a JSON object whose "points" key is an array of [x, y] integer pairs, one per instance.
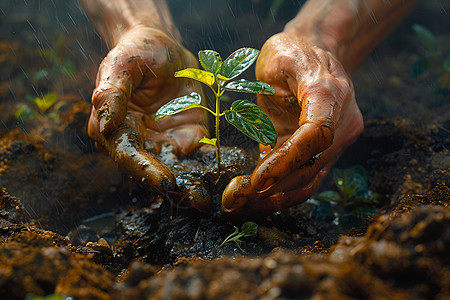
{"points": [[316, 116], [133, 81]]}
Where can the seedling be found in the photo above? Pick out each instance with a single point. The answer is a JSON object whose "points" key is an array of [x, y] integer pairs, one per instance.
{"points": [[47, 105], [49, 297], [247, 229], [218, 75], [435, 59], [55, 63], [353, 198], [45, 102]]}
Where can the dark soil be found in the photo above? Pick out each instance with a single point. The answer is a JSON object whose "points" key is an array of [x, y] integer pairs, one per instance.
{"points": [[72, 224]]}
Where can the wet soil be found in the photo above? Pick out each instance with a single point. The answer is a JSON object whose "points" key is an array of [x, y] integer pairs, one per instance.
{"points": [[72, 224]]}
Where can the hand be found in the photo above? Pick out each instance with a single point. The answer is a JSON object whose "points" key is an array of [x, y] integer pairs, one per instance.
{"points": [[133, 81], [316, 116]]}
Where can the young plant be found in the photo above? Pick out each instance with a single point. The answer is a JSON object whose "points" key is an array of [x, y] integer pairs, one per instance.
{"points": [[47, 105], [45, 102], [218, 75], [247, 229], [353, 200], [56, 65], [435, 59], [49, 297]]}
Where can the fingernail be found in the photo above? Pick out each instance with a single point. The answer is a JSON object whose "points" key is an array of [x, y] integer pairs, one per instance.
{"points": [[264, 184], [104, 124], [230, 206]]}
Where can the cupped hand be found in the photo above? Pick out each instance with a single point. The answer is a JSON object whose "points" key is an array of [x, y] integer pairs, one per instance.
{"points": [[316, 116], [134, 80]]}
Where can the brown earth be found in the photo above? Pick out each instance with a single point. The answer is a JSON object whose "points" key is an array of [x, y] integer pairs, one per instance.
{"points": [[72, 224]]}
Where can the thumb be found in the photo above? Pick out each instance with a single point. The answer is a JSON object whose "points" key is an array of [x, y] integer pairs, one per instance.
{"points": [[119, 74], [321, 99]]}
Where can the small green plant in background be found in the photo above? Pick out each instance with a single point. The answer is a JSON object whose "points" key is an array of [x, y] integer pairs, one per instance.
{"points": [[218, 75], [47, 78], [56, 65], [45, 102], [352, 200], [435, 58], [47, 105], [247, 229]]}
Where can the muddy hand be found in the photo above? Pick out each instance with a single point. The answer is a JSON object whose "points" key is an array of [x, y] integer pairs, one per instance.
{"points": [[316, 116], [125, 147], [134, 80]]}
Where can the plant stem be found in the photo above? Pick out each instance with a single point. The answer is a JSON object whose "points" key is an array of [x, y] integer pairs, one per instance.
{"points": [[232, 237], [218, 94]]}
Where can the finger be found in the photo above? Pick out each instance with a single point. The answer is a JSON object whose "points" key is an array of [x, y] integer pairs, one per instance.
{"points": [[124, 147], [239, 199], [93, 127], [281, 200], [297, 178], [185, 138], [119, 74], [148, 54], [237, 193], [194, 193], [321, 103], [307, 141]]}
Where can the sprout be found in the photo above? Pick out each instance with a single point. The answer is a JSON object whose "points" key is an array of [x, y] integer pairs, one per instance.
{"points": [[247, 229], [217, 75]]}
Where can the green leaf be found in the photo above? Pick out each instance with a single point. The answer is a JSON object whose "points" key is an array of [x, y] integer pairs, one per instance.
{"points": [[249, 229], [322, 210], [239, 61], [252, 121], [350, 180], [197, 74], [49, 54], [178, 105], [46, 101], [40, 74], [221, 79], [367, 197], [426, 37], [249, 86], [446, 64], [330, 196], [209, 141], [68, 68], [24, 113], [419, 67], [49, 297], [210, 60]]}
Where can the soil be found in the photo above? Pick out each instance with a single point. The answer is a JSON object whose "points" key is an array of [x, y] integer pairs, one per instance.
{"points": [[72, 224]]}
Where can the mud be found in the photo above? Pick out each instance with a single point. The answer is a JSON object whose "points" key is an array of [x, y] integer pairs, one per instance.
{"points": [[72, 224], [403, 255]]}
